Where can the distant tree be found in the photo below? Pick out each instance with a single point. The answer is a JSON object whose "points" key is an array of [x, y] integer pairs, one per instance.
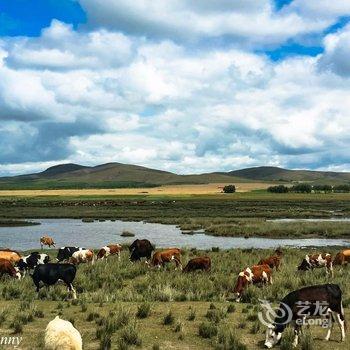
{"points": [[278, 189], [342, 188], [302, 188], [322, 188], [229, 189]]}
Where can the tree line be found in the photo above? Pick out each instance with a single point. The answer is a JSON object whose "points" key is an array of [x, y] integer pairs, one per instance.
{"points": [[308, 188]]}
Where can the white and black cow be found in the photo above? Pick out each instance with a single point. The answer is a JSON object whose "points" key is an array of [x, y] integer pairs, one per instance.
{"points": [[305, 303], [65, 253], [312, 261], [51, 273], [30, 261]]}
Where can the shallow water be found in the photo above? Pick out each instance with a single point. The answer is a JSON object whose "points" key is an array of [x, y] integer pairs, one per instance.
{"points": [[67, 232]]}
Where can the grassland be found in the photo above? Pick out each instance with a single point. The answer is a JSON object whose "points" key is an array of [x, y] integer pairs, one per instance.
{"points": [[169, 190], [133, 302]]}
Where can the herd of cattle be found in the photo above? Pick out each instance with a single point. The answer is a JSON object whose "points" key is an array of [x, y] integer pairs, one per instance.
{"points": [[49, 273]]}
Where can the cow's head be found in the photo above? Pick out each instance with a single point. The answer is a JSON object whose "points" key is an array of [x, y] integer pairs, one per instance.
{"points": [[338, 260], [273, 336], [241, 284], [304, 265], [17, 273], [46, 259], [21, 265], [101, 253]]}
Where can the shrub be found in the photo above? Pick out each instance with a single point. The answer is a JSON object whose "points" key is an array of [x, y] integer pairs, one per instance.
{"points": [[169, 318], [229, 189], [215, 315], [192, 315], [143, 310], [130, 335], [178, 327], [287, 339], [306, 341], [207, 330], [231, 308], [227, 340]]}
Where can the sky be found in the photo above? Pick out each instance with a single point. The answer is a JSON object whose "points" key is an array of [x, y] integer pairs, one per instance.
{"points": [[185, 86]]}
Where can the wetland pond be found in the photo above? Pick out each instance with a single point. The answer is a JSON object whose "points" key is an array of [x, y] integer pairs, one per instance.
{"points": [[74, 232]]}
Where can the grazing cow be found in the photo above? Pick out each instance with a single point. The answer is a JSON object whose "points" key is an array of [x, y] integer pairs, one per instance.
{"points": [[10, 255], [46, 240], [342, 258], [82, 256], [61, 335], [6, 268], [313, 261], [65, 253], [254, 275], [50, 273], [112, 249], [141, 248], [273, 261], [200, 263], [30, 261], [305, 303], [165, 256]]}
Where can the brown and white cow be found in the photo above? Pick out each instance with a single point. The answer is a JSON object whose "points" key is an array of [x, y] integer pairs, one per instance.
{"points": [[342, 258], [6, 268], [165, 256], [10, 255], [200, 263], [252, 275], [312, 261], [46, 240], [82, 256], [274, 261], [111, 249]]}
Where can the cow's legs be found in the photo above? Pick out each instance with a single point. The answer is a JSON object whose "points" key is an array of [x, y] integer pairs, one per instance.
{"points": [[71, 289], [330, 327], [341, 323], [296, 335]]}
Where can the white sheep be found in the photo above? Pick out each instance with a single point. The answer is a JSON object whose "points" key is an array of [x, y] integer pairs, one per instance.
{"points": [[61, 335]]}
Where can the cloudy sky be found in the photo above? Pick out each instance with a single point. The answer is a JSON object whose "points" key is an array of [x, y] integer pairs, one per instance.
{"points": [[187, 86]]}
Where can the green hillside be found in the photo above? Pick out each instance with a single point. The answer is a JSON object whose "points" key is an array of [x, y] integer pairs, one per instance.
{"points": [[117, 175]]}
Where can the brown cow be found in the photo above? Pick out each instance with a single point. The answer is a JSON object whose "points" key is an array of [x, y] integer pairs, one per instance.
{"points": [[10, 255], [46, 240], [342, 258], [6, 268], [313, 261], [252, 275], [200, 263], [111, 249], [274, 261], [82, 256], [172, 254]]}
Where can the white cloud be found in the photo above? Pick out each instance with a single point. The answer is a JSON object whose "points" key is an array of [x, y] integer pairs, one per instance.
{"points": [[250, 22], [102, 96]]}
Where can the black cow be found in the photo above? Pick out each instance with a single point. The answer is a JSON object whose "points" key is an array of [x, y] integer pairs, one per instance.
{"points": [[50, 273], [310, 302], [65, 253], [141, 248], [33, 259]]}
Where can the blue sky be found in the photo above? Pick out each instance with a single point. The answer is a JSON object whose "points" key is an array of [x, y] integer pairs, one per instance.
{"points": [[182, 86]]}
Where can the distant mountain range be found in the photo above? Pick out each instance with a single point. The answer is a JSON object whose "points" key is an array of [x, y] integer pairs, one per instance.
{"points": [[114, 175]]}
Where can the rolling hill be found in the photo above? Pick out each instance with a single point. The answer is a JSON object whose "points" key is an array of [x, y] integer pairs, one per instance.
{"points": [[118, 175]]}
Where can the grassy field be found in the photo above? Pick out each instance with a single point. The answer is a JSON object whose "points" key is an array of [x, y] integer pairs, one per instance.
{"points": [[136, 307], [171, 190]]}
